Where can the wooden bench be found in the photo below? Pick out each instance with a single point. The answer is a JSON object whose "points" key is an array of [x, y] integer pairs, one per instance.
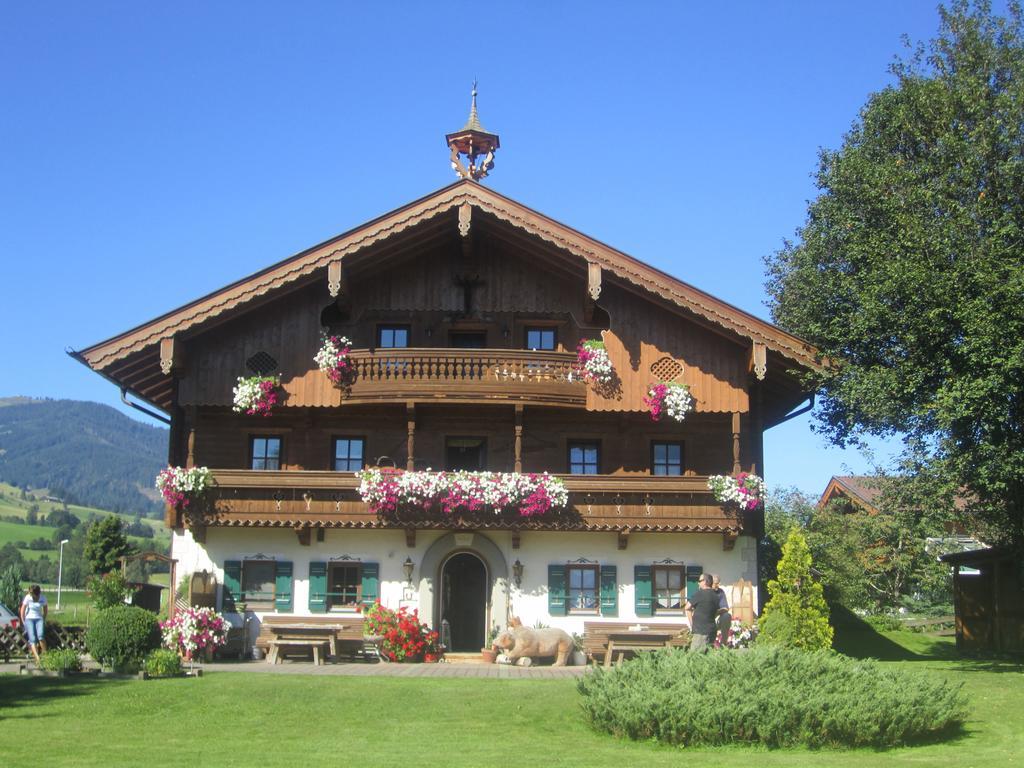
{"points": [[342, 634], [596, 637], [280, 645]]}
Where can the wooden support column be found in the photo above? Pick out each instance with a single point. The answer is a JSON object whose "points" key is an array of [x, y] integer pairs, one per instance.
{"points": [[736, 468], [410, 445], [190, 453], [519, 439]]}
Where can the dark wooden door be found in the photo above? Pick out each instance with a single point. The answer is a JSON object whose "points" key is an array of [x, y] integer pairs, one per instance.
{"points": [[464, 601], [469, 340], [468, 453]]}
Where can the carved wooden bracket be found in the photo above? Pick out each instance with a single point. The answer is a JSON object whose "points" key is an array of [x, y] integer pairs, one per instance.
{"points": [[410, 537], [465, 218], [336, 280], [515, 540], [759, 360], [304, 532], [199, 533], [172, 356], [623, 539], [729, 540], [593, 290]]}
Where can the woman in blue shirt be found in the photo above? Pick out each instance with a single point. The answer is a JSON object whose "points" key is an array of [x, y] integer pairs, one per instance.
{"points": [[33, 615]]}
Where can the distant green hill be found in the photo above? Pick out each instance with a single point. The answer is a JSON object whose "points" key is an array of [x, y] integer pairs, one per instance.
{"points": [[83, 453]]}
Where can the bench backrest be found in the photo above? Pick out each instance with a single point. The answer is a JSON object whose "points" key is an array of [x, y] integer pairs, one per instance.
{"points": [[351, 626], [595, 633]]}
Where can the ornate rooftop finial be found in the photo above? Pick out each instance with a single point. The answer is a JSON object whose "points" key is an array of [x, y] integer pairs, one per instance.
{"points": [[475, 143]]}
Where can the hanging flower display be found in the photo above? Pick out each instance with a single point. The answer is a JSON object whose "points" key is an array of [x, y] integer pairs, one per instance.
{"points": [[180, 486], [673, 399], [256, 395], [333, 359], [745, 490], [593, 362], [194, 631], [387, 491]]}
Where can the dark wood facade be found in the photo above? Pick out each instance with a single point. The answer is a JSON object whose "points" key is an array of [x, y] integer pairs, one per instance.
{"points": [[464, 267], [988, 597]]}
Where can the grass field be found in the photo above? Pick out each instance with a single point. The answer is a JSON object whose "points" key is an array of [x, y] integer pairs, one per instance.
{"points": [[229, 718], [11, 504]]}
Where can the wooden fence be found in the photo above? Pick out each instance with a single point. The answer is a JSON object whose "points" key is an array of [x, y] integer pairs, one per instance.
{"points": [[13, 643]]}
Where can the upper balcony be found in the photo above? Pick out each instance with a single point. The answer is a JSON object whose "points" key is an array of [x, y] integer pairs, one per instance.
{"points": [[466, 375]]}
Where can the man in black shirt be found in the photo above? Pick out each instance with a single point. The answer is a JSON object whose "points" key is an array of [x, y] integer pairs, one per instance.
{"points": [[702, 611]]}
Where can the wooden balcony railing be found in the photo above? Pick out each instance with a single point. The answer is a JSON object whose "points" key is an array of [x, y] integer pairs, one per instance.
{"points": [[466, 374], [622, 502]]}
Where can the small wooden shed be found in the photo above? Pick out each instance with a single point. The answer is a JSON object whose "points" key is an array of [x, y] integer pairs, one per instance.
{"points": [[988, 596]]}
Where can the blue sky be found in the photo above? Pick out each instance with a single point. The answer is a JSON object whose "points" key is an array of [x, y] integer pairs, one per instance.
{"points": [[152, 153]]}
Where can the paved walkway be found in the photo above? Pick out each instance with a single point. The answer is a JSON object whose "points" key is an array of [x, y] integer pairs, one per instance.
{"points": [[371, 669]]}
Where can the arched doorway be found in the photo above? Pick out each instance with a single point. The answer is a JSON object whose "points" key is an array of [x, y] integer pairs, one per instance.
{"points": [[464, 600]]}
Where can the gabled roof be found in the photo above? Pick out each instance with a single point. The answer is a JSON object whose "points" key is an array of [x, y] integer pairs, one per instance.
{"points": [[292, 271], [860, 490]]}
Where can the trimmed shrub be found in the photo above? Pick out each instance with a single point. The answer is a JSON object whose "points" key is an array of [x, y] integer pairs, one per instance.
{"points": [[109, 590], [774, 696], [163, 663], [121, 636], [883, 622], [61, 660], [796, 615]]}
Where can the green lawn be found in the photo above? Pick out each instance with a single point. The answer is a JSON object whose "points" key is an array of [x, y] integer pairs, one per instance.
{"points": [[230, 718]]}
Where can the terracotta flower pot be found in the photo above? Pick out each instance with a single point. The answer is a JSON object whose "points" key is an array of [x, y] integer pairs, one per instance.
{"points": [[488, 655]]}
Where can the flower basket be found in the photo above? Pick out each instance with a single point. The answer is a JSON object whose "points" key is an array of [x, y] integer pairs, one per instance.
{"points": [[181, 487], [195, 633], [745, 490], [593, 363], [332, 359], [674, 400], [461, 494], [256, 395]]}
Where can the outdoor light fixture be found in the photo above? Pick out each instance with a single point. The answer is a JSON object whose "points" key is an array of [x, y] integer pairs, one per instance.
{"points": [[517, 573], [60, 570], [407, 566]]}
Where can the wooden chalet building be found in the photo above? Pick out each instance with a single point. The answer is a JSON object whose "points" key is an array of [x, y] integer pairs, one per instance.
{"points": [[464, 309]]}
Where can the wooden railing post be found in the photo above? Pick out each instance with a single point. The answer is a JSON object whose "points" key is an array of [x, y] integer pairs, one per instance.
{"points": [[519, 439], [410, 415]]}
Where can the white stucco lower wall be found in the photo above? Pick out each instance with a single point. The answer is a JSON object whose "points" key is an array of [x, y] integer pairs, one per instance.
{"points": [[536, 552]]}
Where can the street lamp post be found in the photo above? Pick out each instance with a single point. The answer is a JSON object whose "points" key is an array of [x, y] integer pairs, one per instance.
{"points": [[60, 571]]}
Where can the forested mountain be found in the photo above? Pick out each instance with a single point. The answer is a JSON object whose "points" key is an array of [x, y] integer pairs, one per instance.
{"points": [[84, 453]]}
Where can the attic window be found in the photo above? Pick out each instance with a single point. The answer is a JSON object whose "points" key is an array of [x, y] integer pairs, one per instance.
{"points": [[261, 364], [666, 369]]}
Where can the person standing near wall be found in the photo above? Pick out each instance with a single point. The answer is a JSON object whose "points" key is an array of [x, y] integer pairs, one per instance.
{"points": [[701, 611], [33, 618], [724, 618]]}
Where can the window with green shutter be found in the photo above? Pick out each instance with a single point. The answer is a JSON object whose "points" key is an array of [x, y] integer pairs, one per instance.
{"points": [[283, 588], [318, 587], [371, 583], [556, 590], [642, 590], [693, 573], [609, 591], [232, 592]]}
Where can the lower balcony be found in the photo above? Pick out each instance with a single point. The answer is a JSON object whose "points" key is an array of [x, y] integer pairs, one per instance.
{"points": [[305, 500]]}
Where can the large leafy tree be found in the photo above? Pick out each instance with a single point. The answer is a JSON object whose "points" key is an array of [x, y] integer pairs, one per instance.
{"points": [[909, 271], [105, 544]]}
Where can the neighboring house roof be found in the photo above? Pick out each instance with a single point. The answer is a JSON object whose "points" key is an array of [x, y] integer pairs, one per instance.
{"points": [[393, 230], [861, 490]]}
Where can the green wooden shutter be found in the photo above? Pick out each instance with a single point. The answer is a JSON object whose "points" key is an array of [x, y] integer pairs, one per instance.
{"points": [[557, 604], [318, 587], [693, 573], [283, 588], [642, 591], [232, 591], [609, 591], [371, 583]]}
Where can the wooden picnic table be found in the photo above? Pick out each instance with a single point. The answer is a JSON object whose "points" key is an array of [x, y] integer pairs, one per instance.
{"points": [[314, 636], [632, 641]]}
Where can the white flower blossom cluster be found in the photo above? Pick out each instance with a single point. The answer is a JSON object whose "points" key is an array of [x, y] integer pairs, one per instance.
{"points": [[746, 490], [741, 636], [595, 365], [332, 359], [177, 484], [254, 394], [678, 402], [529, 494]]}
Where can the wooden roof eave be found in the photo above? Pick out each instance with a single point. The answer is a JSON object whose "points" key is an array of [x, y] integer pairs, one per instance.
{"points": [[99, 356]]}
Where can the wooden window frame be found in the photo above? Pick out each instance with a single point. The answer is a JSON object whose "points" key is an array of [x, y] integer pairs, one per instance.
{"points": [[570, 444], [682, 457], [252, 451], [334, 452], [381, 327], [527, 329], [681, 570], [262, 602], [596, 569], [347, 607]]}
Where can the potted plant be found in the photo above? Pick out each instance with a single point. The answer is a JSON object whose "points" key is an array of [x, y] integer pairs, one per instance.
{"points": [[579, 656], [490, 651]]}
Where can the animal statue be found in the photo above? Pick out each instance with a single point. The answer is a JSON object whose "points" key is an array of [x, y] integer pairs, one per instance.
{"points": [[519, 642]]}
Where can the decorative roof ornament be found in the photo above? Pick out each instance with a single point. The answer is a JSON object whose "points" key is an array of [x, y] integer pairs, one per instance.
{"points": [[474, 143]]}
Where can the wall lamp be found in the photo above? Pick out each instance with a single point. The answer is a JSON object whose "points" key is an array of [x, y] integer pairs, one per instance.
{"points": [[517, 573], [408, 566]]}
